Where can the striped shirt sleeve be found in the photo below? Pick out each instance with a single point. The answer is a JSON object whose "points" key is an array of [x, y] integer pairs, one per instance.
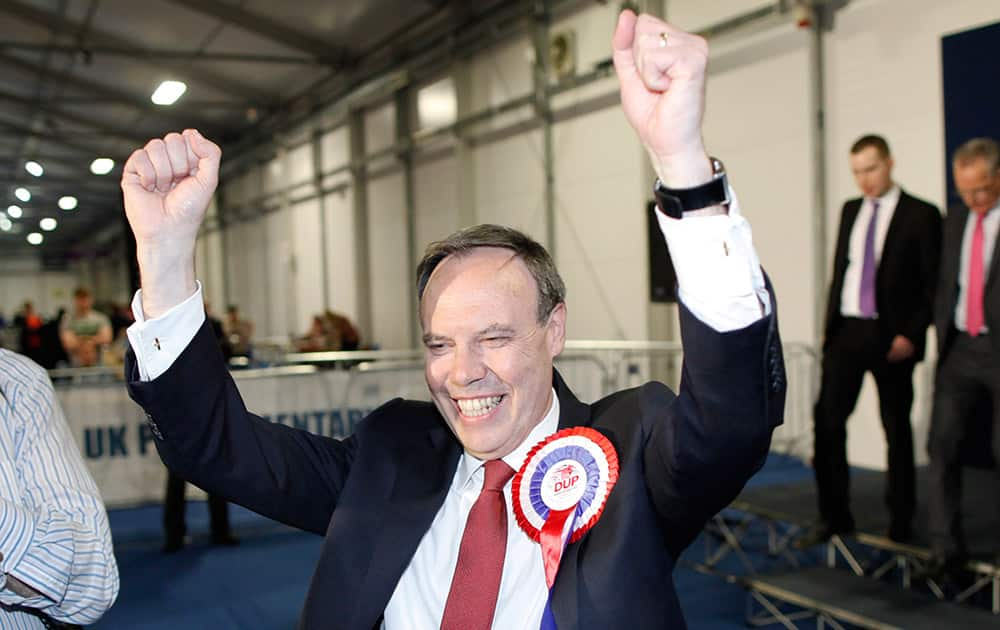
{"points": [[54, 533]]}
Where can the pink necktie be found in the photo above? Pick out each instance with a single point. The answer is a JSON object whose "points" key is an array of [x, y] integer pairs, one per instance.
{"points": [[476, 583], [974, 292]]}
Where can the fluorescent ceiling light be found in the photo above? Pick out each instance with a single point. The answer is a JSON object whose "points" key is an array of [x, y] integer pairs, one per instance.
{"points": [[48, 224], [35, 238], [5, 224], [168, 92], [68, 202], [23, 194], [14, 212], [102, 166], [34, 168]]}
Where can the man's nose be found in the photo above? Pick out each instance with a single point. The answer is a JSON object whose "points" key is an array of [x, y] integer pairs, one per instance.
{"points": [[467, 366]]}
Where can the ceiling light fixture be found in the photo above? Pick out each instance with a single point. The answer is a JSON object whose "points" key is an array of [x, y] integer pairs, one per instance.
{"points": [[48, 224], [14, 212], [102, 166], [34, 168], [35, 238], [67, 203], [23, 194], [5, 224], [168, 92]]}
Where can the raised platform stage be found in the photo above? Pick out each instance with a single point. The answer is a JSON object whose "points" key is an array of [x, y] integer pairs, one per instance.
{"points": [[862, 580]]}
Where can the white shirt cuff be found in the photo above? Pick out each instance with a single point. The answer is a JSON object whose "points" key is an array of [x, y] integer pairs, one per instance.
{"points": [[718, 273], [158, 342]]}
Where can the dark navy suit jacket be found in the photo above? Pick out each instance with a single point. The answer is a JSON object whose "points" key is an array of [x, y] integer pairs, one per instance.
{"points": [[374, 495]]}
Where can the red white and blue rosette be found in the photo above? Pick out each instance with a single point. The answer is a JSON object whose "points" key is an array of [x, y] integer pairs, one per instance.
{"points": [[561, 490]]}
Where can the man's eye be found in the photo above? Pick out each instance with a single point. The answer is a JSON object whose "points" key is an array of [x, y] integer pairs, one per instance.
{"points": [[496, 340]]}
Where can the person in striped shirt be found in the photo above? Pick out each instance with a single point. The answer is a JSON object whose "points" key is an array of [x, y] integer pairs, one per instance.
{"points": [[56, 559]]}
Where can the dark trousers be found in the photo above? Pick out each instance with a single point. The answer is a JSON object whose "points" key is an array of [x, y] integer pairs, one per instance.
{"points": [[968, 371], [174, 507], [855, 349]]}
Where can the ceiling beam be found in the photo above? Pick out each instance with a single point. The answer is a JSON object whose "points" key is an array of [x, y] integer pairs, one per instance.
{"points": [[88, 51], [94, 183], [56, 138], [180, 113], [227, 13], [55, 112], [63, 26]]}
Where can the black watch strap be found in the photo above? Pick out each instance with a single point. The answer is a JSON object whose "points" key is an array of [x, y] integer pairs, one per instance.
{"points": [[674, 202]]}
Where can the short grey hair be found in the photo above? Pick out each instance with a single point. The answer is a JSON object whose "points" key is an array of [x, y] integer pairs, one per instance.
{"points": [[551, 289], [978, 148]]}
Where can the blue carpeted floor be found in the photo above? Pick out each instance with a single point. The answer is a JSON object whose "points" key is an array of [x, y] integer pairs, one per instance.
{"points": [[261, 584]]}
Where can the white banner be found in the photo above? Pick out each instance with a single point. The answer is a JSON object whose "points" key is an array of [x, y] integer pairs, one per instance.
{"points": [[117, 444]]}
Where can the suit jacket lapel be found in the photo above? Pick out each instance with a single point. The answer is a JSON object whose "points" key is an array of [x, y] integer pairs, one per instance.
{"points": [[991, 273], [572, 412], [895, 233], [424, 472]]}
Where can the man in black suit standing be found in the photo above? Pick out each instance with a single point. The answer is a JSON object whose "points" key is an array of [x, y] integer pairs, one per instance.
{"points": [[878, 311], [967, 318]]}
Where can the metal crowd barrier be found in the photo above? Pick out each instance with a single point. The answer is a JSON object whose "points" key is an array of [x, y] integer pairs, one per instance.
{"points": [[593, 368]]}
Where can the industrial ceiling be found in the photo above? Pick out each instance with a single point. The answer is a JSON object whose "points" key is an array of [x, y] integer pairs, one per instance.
{"points": [[78, 76]]}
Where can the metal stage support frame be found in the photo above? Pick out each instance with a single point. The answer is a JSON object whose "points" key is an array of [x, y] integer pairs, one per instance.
{"points": [[868, 557]]}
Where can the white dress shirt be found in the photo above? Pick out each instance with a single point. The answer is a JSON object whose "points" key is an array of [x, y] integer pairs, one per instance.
{"points": [[990, 225], [850, 294], [720, 281], [419, 599], [54, 534]]}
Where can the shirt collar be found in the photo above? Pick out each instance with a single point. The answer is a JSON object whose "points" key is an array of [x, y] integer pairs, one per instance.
{"points": [[887, 200], [469, 466]]}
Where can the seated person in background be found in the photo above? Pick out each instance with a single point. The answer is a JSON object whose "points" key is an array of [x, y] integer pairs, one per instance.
{"points": [[341, 329], [84, 330], [57, 558], [238, 332], [315, 340], [30, 324]]}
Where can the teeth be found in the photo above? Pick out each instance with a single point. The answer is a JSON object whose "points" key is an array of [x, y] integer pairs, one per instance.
{"points": [[478, 406]]}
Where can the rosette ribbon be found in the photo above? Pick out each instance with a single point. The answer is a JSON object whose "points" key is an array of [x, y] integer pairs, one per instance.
{"points": [[560, 493]]}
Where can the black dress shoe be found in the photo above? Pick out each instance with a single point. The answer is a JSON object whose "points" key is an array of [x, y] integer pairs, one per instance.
{"points": [[819, 533], [940, 566], [226, 540], [173, 545]]}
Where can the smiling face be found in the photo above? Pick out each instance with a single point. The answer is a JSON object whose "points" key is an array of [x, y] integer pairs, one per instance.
{"points": [[488, 360]]}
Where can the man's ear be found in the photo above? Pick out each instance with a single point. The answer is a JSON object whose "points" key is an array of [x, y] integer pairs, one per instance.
{"points": [[555, 330]]}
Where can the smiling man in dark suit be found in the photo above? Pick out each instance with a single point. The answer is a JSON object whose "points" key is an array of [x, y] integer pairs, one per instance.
{"points": [[967, 319], [416, 506], [878, 311]]}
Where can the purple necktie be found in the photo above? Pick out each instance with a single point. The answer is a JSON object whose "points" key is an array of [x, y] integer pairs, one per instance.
{"points": [[868, 269]]}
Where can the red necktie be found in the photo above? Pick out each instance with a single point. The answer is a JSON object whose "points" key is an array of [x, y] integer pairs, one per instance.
{"points": [[974, 292], [476, 583]]}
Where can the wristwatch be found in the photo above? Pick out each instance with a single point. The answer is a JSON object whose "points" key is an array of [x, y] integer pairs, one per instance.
{"points": [[674, 202]]}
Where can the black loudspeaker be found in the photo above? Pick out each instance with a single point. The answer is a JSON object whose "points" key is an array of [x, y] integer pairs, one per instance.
{"points": [[662, 279]]}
